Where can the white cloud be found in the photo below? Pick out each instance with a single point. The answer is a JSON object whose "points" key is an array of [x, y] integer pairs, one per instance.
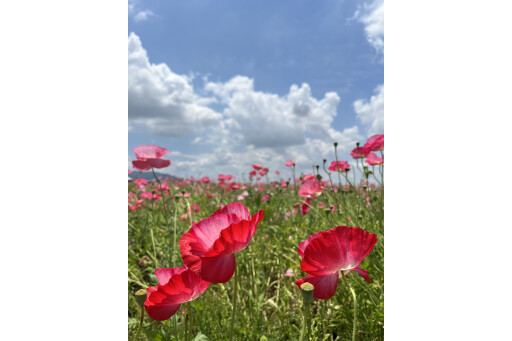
{"points": [[143, 15], [268, 120], [251, 127], [371, 113], [161, 99], [137, 13], [372, 16]]}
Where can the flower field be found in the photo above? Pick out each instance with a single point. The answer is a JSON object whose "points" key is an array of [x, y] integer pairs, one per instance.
{"points": [[279, 256]]}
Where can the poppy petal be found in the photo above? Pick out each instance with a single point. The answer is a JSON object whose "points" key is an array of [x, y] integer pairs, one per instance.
{"points": [[161, 312], [237, 209], [325, 286], [158, 163], [302, 245], [217, 269], [150, 152], [164, 274], [341, 248], [236, 237], [164, 300], [362, 272], [140, 165]]}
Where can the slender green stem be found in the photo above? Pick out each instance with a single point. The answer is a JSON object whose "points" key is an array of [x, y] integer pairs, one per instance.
{"points": [[381, 169], [304, 333], [340, 187], [174, 236], [187, 334], [154, 248], [163, 196], [293, 174], [140, 324], [354, 330], [235, 299]]}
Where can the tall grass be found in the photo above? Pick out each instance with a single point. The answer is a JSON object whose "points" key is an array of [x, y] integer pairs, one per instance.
{"points": [[269, 303]]}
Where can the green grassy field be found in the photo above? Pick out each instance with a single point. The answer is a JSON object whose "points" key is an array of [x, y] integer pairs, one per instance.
{"points": [[270, 304]]}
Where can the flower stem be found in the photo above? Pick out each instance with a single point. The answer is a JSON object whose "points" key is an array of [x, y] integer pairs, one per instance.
{"points": [[304, 333], [140, 324], [187, 325], [235, 299], [354, 330], [163, 196]]}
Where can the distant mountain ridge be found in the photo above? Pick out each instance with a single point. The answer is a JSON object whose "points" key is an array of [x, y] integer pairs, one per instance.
{"points": [[149, 176]]}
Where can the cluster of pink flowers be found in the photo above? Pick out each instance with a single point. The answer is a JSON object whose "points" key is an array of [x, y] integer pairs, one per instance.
{"points": [[208, 247]]}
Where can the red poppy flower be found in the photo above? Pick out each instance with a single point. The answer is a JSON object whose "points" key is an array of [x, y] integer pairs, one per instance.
{"points": [[326, 253], [289, 163], [204, 180], [359, 152], [304, 207], [208, 247], [263, 171], [257, 167], [175, 286], [375, 143], [150, 157], [374, 160], [308, 177], [223, 178], [310, 189], [340, 166]]}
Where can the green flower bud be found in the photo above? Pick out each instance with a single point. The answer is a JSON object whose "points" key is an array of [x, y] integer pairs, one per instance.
{"points": [[140, 296], [307, 292]]}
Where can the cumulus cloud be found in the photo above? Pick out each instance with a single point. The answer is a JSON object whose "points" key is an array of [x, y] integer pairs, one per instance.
{"points": [[372, 16], [162, 100], [287, 120], [248, 126], [371, 112]]}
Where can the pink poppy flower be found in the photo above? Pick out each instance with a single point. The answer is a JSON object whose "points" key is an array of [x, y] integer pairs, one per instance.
{"points": [[265, 198], [208, 247], [283, 184], [252, 173], [289, 273], [374, 160], [204, 180], [141, 183], [310, 189], [175, 286], [150, 157], [359, 152], [242, 196], [263, 171], [375, 143], [326, 253], [223, 178], [304, 207], [289, 163], [147, 195], [277, 172], [257, 167], [340, 166], [308, 177]]}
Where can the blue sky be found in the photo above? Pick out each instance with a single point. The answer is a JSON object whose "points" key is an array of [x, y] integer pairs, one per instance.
{"points": [[225, 84]]}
